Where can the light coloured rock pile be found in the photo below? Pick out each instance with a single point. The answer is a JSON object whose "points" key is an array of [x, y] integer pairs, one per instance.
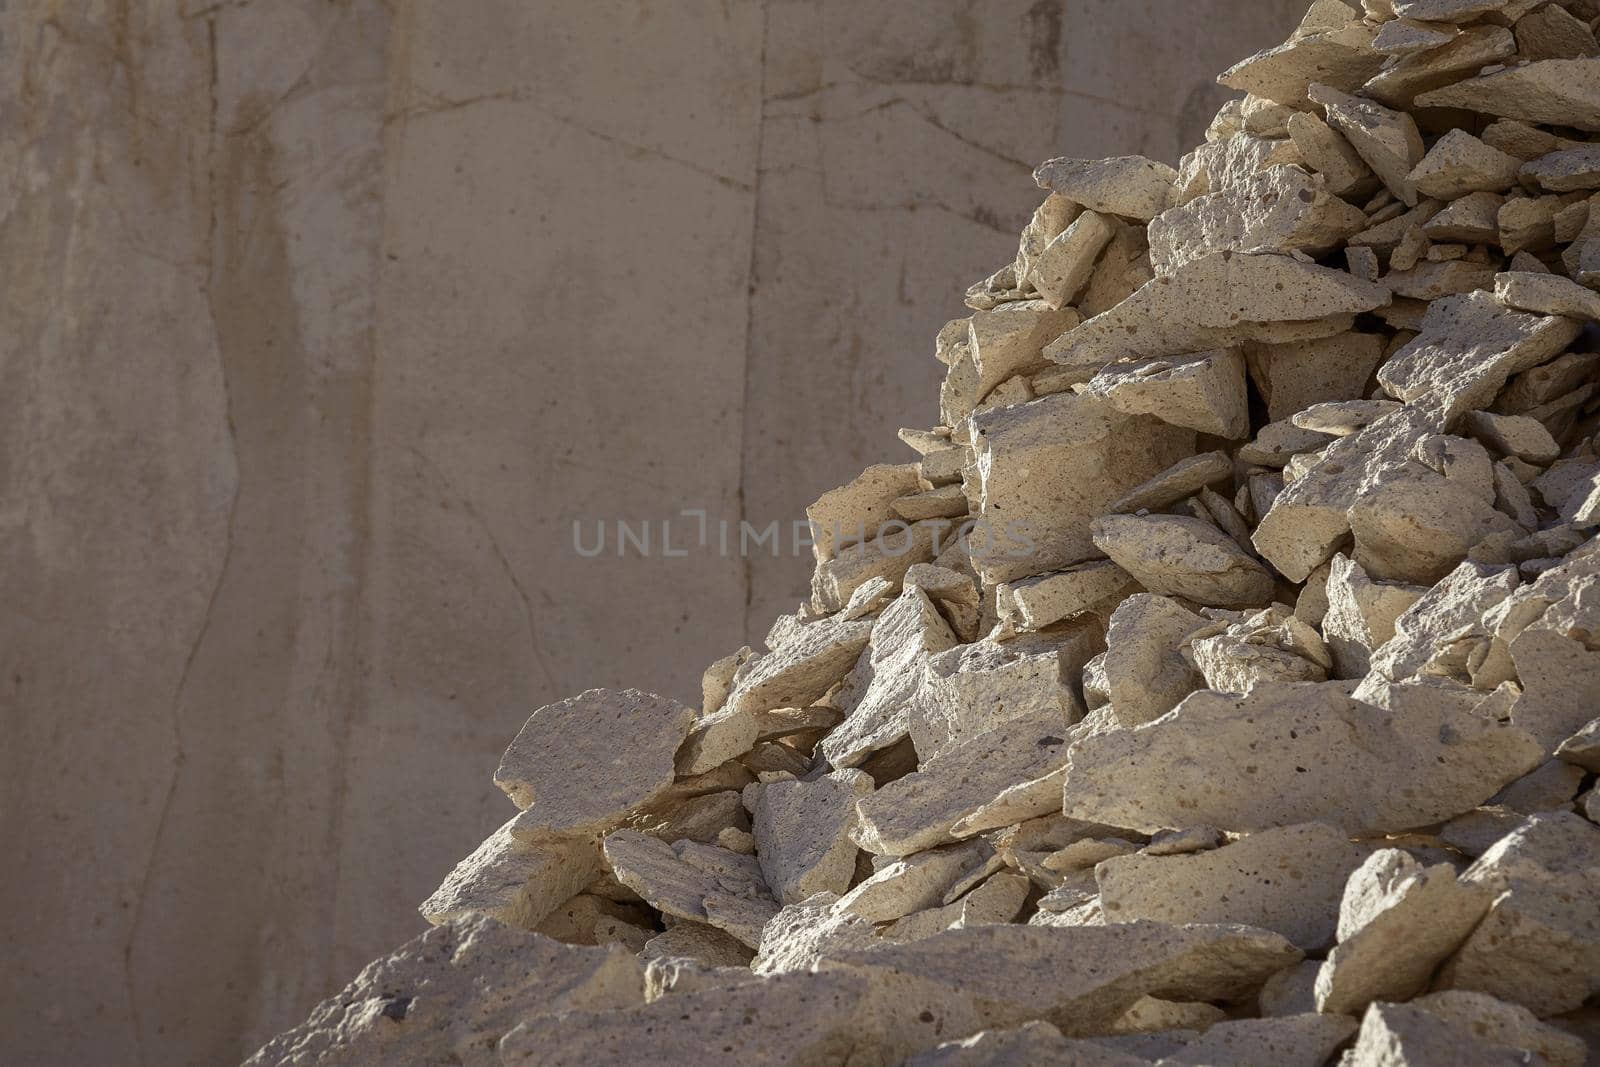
{"points": [[1219, 686]]}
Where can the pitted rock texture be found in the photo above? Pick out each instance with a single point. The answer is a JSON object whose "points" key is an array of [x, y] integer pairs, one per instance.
{"points": [[1247, 718]]}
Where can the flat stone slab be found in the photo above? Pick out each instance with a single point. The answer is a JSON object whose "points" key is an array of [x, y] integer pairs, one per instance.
{"points": [[1288, 880], [581, 765], [802, 831], [694, 881], [1289, 753], [517, 881]]}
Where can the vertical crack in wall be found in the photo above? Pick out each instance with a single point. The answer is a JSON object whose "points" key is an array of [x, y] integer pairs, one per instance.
{"points": [[752, 283], [176, 718]]}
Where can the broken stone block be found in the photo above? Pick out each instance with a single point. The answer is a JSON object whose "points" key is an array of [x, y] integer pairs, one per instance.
{"points": [[1035, 603], [915, 883], [1044, 470], [1554, 33], [1131, 186], [907, 633], [1327, 152], [919, 810], [1565, 170], [1445, 10], [447, 995], [1173, 555], [1361, 615], [1340, 56], [1551, 786], [1219, 301], [807, 931], [1305, 1040], [976, 688], [1513, 435], [998, 899], [1582, 749], [1063, 267], [1272, 645], [1404, 1035], [1081, 979], [857, 511], [1397, 922], [1388, 141], [1285, 754], [620, 744], [1496, 1022], [1554, 92], [1547, 294], [1399, 37], [1204, 392], [1296, 376], [1459, 163], [514, 881], [802, 833], [1031, 1043], [1280, 209], [1401, 81], [1145, 674], [1010, 339], [693, 881], [696, 941], [1539, 945], [1287, 880]]}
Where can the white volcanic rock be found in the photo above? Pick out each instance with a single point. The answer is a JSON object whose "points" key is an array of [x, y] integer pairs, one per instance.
{"points": [[1081, 978], [797, 673], [1405, 1035], [903, 638], [1145, 674], [1295, 376], [1204, 392], [1340, 55], [1131, 186], [1029, 1044], [809, 930], [1043, 471], [515, 881], [447, 995], [1496, 1022], [802, 833], [1294, 753], [1035, 603], [1217, 301], [1304, 1040], [694, 881], [1174, 555], [1280, 209], [619, 745], [1288, 880], [1397, 922], [1558, 92], [1361, 615], [1539, 945], [915, 883], [1388, 141]]}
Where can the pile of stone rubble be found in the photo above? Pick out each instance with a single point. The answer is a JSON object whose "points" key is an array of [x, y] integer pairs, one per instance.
{"points": [[1219, 686]]}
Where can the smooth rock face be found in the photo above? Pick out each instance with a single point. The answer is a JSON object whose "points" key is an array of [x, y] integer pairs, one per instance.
{"points": [[1287, 880], [1293, 753]]}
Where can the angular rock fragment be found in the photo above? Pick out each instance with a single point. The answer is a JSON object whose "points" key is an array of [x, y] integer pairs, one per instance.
{"points": [[1131, 186], [1388, 141], [579, 766], [1219, 301], [1340, 55], [1081, 979], [1204, 391], [1539, 945], [807, 931], [1044, 470], [1145, 675], [1459, 163], [1063, 267], [1035, 603], [1306, 1040], [1173, 555], [1557, 92], [448, 995], [514, 881], [1397, 922], [1288, 880], [1294, 753], [802, 831], [693, 881], [1295, 376]]}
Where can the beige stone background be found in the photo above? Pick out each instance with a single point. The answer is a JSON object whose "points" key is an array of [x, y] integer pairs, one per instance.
{"points": [[324, 319]]}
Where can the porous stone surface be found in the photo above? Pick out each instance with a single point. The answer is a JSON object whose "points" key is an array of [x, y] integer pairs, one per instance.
{"points": [[1249, 715]]}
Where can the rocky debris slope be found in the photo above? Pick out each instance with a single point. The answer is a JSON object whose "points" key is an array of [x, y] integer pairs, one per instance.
{"points": [[1217, 686]]}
